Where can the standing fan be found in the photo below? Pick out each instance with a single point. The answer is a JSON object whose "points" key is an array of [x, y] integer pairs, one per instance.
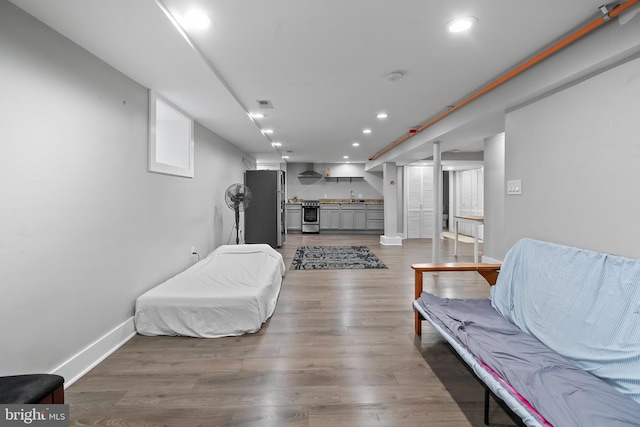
{"points": [[237, 197]]}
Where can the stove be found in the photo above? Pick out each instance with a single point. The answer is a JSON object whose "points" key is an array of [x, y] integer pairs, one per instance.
{"points": [[311, 216]]}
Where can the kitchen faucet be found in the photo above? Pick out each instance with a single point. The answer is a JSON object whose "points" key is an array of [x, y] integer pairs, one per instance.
{"points": [[352, 195]]}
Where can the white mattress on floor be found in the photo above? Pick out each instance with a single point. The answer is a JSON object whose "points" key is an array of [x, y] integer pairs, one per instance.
{"points": [[231, 292]]}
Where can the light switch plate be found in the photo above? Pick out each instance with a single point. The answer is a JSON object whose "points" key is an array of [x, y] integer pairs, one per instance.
{"points": [[514, 186]]}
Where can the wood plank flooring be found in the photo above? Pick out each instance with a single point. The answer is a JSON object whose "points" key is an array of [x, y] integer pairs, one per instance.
{"points": [[338, 351]]}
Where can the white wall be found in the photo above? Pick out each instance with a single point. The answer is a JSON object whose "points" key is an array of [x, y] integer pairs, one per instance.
{"points": [[578, 155], [313, 189], [494, 195], [84, 228]]}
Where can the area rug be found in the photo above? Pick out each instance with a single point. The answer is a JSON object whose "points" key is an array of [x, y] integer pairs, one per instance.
{"points": [[334, 258]]}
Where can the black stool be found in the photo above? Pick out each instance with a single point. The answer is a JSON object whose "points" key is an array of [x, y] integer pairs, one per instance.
{"points": [[33, 388]]}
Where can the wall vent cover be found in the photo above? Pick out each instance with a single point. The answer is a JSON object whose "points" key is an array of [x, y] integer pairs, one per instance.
{"points": [[264, 103]]}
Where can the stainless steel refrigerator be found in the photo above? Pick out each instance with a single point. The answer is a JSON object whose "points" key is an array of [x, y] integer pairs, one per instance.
{"points": [[264, 218]]}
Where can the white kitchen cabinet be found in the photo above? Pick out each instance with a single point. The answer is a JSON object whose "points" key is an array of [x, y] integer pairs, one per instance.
{"points": [[375, 217], [330, 216], [360, 219], [346, 218], [352, 216], [294, 217]]}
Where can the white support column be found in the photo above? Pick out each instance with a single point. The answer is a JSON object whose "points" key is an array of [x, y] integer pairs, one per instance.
{"points": [[437, 201], [390, 194]]}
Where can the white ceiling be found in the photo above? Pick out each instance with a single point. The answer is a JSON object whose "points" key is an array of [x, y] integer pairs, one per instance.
{"points": [[321, 63]]}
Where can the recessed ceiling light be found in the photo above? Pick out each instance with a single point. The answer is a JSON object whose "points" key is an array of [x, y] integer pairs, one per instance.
{"points": [[459, 25], [367, 131], [276, 144], [345, 157], [356, 144], [257, 115], [285, 157], [382, 115], [196, 19], [267, 131]]}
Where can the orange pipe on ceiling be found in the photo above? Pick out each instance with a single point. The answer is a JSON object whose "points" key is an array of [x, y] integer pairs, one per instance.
{"points": [[516, 71]]}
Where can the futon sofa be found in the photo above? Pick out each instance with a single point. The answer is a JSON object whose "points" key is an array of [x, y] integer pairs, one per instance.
{"points": [[558, 340]]}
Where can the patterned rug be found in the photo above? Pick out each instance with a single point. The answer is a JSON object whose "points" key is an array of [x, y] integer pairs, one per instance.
{"points": [[334, 258]]}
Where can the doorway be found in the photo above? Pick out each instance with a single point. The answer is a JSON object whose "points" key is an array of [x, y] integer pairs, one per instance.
{"points": [[462, 194]]}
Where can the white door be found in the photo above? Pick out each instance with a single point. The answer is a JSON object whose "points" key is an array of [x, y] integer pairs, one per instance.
{"points": [[420, 203]]}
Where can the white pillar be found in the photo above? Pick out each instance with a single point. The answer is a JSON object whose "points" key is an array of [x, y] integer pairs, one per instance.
{"points": [[437, 201], [390, 194]]}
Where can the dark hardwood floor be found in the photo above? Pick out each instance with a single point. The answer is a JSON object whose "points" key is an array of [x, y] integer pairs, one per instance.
{"points": [[338, 351]]}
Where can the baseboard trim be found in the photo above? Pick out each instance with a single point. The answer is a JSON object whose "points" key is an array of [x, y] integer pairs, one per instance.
{"points": [[487, 260], [88, 358], [391, 240]]}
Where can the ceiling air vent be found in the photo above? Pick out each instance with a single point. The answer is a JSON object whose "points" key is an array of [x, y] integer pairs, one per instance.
{"points": [[264, 103]]}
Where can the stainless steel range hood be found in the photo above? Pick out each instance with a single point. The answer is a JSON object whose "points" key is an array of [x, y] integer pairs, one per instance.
{"points": [[310, 173]]}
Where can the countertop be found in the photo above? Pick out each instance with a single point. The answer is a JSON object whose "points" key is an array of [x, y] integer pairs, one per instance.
{"points": [[343, 201]]}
